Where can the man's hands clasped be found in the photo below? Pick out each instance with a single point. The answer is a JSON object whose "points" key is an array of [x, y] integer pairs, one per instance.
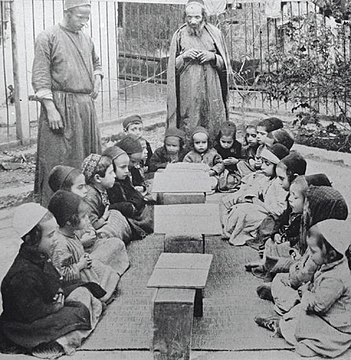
{"points": [[202, 56]]}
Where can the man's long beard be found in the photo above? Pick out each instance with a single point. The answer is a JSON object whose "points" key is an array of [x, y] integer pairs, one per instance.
{"points": [[196, 31]]}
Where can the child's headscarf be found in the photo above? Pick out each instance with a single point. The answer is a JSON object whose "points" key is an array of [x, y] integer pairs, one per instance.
{"points": [[321, 203]]}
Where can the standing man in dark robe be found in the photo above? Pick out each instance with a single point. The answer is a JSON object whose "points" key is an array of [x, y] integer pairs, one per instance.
{"points": [[197, 75], [66, 79]]}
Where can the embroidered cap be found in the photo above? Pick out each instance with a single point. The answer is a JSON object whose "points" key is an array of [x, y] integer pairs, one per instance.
{"points": [[26, 217], [89, 165]]}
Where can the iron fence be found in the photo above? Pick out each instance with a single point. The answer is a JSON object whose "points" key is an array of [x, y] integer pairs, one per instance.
{"points": [[133, 41]]}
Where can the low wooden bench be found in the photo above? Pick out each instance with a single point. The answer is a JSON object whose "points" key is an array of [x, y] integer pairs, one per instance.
{"points": [[187, 221], [181, 186], [179, 280]]}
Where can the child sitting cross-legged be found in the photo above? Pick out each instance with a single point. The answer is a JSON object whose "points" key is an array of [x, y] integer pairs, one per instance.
{"points": [[69, 256], [108, 249], [42, 314], [321, 323], [321, 203], [125, 198], [172, 150], [203, 153], [99, 176], [242, 214], [278, 234]]}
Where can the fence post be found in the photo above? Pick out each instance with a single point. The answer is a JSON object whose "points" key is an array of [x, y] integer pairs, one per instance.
{"points": [[19, 73]]}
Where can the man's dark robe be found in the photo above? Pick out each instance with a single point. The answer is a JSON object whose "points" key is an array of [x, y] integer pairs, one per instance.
{"points": [[63, 71], [198, 93]]}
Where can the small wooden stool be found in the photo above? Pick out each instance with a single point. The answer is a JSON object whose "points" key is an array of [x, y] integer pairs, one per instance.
{"points": [[188, 219]]}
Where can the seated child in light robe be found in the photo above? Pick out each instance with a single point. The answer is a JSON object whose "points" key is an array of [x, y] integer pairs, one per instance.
{"points": [[320, 325], [203, 153], [277, 234], [172, 150], [242, 219], [69, 256], [98, 243]]}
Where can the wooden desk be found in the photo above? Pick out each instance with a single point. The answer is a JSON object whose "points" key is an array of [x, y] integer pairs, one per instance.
{"points": [[183, 271]]}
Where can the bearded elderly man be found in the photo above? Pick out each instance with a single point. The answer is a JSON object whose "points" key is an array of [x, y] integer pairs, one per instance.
{"points": [[197, 75], [66, 78]]}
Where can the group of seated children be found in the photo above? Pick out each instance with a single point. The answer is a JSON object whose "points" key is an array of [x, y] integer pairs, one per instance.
{"points": [[62, 278], [298, 225]]}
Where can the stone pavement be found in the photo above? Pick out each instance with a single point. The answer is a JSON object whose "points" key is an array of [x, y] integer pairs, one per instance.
{"points": [[338, 168]]}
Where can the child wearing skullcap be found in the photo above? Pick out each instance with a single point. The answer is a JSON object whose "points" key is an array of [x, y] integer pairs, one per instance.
{"points": [[172, 150], [125, 198], [99, 176], [39, 314], [134, 125]]}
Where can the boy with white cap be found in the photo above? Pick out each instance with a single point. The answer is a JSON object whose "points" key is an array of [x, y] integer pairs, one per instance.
{"points": [[37, 312]]}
